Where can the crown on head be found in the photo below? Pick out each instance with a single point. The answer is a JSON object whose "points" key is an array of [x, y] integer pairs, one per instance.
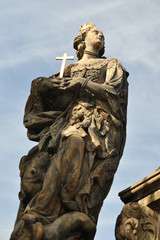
{"points": [[86, 25]]}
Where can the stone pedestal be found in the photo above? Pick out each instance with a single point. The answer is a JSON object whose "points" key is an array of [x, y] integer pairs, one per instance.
{"points": [[140, 217]]}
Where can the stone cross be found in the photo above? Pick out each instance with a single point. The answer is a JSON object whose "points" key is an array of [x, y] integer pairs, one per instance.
{"points": [[64, 59]]}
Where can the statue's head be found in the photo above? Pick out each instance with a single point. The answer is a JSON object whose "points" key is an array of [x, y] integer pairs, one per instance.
{"points": [[88, 35]]}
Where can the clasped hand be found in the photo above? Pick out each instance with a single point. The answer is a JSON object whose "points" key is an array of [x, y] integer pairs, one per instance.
{"points": [[67, 83]]}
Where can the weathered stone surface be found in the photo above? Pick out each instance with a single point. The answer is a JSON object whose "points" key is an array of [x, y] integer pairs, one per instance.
{"points": [[79, 122], [140, 219], [145, 192], [137, 222]]}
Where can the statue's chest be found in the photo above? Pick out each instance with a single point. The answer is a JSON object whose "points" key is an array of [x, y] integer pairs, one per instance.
{"points": [[90, 73], [95, 75]]}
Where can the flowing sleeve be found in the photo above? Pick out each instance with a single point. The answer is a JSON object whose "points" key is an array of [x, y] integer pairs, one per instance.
{"points": [[44, 105], [36, 119], [116, 87]]}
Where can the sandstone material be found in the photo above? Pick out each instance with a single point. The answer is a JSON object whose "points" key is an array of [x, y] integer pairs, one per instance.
{"points": [[145, 192], [79, 123], [140, 217]]}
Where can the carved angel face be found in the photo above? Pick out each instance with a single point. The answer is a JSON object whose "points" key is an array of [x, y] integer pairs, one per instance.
{"points": [[94, 39]]}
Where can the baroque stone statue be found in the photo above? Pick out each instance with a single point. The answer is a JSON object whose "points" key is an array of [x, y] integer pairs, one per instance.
{"points": [[79, 122]]}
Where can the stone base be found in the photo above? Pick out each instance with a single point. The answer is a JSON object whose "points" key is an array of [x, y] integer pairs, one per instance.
{"points": [[140, 217]]}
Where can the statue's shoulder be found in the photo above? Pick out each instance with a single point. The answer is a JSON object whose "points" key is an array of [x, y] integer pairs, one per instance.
{"points": [[114, 63], [105, 63]]}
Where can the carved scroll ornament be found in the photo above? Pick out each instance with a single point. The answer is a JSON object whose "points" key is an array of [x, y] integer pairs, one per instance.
{"points": [[137, 222]]}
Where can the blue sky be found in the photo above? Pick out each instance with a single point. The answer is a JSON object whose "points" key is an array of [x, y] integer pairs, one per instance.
{"points": [[33, 33]]}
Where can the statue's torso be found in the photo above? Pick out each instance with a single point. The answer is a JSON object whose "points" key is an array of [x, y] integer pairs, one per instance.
{"points": [[59, 100]]}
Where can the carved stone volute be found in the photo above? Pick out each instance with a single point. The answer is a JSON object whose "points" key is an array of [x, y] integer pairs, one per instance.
{"points": [[140, 217], [137, 222]]}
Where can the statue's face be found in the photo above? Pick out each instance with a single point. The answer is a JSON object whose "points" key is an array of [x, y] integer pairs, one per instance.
{"points": [[94, 38]]}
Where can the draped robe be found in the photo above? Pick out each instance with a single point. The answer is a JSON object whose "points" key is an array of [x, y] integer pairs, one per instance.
{"points": [[51, 117]]}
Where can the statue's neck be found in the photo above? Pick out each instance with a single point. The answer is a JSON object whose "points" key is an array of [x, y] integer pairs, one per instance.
{"points": [[90, 53]]}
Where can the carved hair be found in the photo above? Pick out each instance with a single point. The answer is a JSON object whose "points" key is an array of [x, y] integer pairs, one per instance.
{"points": [[79, 43]]}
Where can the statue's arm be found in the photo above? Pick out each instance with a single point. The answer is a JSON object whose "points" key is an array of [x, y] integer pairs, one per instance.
{"points": [[49, 84], [99, 90], [116, 77], [34, 107]]}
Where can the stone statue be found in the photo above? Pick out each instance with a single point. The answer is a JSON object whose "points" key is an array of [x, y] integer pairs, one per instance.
{"points": [[137, 222], [79, 122]]}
